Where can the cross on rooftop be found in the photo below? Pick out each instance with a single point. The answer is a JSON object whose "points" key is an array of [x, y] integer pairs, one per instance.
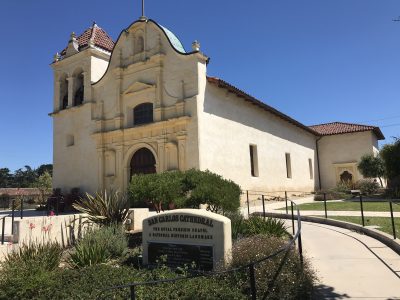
{"points": [[143, 16]]}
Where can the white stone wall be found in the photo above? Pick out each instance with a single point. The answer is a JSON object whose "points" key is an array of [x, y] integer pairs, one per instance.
{"points": [[75, 166], [343, 151], [228, 125]]}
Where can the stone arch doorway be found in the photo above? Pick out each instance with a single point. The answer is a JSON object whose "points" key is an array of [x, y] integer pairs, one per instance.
{"points": [[346, 177], [142, 162]]}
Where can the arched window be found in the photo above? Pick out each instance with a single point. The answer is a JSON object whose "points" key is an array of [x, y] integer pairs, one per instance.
{"points": [[143, 162], [78, 100], [64, 93], [346, 177], [139, 45], [143, 114]]}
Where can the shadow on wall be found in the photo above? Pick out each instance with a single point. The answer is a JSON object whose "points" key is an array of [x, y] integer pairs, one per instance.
{"points": [[325, 292], [247, 114]]}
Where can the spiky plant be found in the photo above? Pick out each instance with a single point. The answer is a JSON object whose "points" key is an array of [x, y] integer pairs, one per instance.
{"points": [[104, 208]]}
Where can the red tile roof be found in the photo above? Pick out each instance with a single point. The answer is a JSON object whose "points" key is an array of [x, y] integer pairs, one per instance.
{"points": [[340, 128], [223, 84], [318, 130], [100, 38], [20, 191]]}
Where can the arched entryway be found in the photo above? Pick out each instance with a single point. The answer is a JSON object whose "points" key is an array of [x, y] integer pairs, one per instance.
{"points": [[346, 177], [143, 162]]}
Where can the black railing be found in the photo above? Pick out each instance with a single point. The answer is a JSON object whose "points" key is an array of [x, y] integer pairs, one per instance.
{"points": [[3, 227], [132, 287], [362, 210]]}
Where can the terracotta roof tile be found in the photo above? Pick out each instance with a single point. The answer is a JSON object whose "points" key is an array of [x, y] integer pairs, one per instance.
{"points": [[318, 130], [100, 38], [340, 128], [19, 191]]}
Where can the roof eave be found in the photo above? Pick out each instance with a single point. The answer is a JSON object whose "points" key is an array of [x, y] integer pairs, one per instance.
{"points": [[223, 84]]}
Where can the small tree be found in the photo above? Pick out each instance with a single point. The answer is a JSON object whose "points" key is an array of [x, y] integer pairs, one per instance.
{"points": [[371, 166], [185, 189], [43, 184], [391, 156]]}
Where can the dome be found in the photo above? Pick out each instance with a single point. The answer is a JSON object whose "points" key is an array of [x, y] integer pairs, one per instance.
{"points": [[175, 42]]}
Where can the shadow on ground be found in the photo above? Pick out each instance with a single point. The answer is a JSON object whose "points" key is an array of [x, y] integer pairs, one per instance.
{"points": [[325, 292]]}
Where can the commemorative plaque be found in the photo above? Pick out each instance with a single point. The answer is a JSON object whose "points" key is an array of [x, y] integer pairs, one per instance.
{"points": [[190, 237]]}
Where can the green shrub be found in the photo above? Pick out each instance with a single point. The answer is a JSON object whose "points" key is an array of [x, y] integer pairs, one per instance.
{"points": [[255, 225], [44, 255], [88, 254], [93, 281], [270, 227], [205, 187], [99, 245], [104, 208], [367, 186], [372, 166], [390, 154], [293, 282], [25, 270], [237, 224], [331, 195], [342, 187], [159, 190], [184, 189]]}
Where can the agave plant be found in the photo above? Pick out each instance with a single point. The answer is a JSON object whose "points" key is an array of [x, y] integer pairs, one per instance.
{"points": [[104, 208]]}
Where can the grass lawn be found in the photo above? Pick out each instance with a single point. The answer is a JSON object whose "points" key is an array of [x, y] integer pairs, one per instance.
{"points": [[350, 206], [385, 224]]}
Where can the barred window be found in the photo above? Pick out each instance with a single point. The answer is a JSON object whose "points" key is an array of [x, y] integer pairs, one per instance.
{"points": [[143, 114]]}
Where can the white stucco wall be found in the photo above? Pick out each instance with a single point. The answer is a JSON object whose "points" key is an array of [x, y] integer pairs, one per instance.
{"points": [[343, 150], [74, 166], [228, 125]]}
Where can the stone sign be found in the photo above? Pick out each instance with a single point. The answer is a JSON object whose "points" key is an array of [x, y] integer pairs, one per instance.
{"points": [[187, 236]]}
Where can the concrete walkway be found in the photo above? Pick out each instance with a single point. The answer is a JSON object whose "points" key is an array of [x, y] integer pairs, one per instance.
{"points": [[350, 265]]}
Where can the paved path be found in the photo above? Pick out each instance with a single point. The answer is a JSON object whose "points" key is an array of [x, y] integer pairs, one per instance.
{"points": [[350, 265]]}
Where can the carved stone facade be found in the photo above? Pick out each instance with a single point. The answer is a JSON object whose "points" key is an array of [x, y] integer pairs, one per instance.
{"points": [[102, 89]]}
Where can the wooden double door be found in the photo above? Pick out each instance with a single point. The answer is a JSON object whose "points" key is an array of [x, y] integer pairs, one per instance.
{"points": [[143, 162]]}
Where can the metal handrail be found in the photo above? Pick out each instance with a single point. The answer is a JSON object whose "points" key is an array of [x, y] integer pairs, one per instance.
{"points": [[250, 266], [3, 226]]}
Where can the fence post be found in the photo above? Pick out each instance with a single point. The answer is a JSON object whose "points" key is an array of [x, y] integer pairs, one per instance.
{"points": [[286, 202], [291, 205], [12, 216], [21, 214], [248, 204], [326, 212], [391, 216], [57, 205], [2, 230], [253, 282], [362, 211], [133, 296], [262, 199], [300, 249]]}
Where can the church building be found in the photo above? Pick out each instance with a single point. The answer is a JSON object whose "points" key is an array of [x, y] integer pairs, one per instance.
{"points": [[144, 104]]}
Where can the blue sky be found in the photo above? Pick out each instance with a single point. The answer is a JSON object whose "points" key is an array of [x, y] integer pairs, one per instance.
{"points": [[317, 61]]}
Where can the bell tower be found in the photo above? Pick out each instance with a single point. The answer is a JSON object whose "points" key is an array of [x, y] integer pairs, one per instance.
{"points": [[82, 62]]}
